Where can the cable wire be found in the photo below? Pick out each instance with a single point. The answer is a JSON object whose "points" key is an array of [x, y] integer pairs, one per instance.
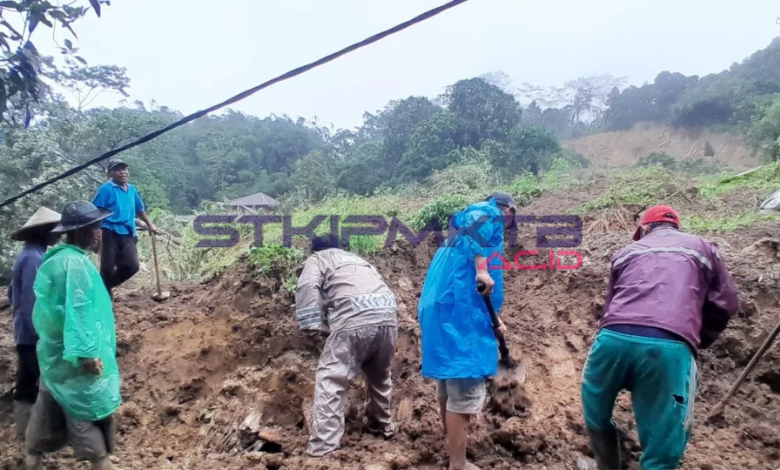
{"points": [[286, 76]]}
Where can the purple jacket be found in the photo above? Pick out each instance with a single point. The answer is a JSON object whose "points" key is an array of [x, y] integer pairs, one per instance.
{"points": [[673, 281]]}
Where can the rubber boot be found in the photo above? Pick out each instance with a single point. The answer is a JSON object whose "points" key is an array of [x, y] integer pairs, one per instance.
{"points": [[606, 448], [103, 464], [33, 462], [22, 412]]}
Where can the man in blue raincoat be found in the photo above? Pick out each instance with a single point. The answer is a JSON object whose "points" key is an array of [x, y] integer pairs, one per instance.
{"points": [[459, 348]]}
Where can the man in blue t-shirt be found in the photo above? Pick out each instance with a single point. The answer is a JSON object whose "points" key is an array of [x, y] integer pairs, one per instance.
{"points": [[118, 254]]}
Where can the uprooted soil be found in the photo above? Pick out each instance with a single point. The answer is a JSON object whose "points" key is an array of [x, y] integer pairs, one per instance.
{"points": [[219, 377]]}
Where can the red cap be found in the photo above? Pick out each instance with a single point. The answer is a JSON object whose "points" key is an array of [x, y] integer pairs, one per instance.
{"points": [[658, 214]]}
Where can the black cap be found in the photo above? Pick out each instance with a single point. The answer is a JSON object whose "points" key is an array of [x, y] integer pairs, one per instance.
{"points": [[79, 214], [117, 163], [503, 199]]}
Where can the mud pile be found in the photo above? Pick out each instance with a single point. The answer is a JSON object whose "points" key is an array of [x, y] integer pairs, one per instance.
{"points": [[218, 377]]}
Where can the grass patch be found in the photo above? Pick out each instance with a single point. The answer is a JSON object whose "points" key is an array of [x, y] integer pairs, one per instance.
{"points": [[440, 208], [647, 185], [696, 224], [765, 179], [526, 188], [275, 259]]}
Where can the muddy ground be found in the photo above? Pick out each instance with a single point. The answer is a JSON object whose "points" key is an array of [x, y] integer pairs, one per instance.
{"points": [[220, 361]]}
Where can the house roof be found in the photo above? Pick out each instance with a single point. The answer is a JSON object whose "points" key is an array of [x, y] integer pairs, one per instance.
{"points": [[259, 199]]}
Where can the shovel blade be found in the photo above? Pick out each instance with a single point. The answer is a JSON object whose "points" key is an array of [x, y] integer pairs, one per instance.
{"points": [[512, 372], [159, 297]]}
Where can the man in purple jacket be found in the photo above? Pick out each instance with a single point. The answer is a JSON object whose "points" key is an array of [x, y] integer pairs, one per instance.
{"points": [[669, 295]]}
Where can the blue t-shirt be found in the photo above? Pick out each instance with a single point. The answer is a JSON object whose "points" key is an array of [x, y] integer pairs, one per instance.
{"points": [[125, 203]]}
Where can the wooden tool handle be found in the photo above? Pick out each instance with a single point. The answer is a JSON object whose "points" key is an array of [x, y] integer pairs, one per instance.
{"points": [[156, 266], [718, 409], [502, 347]]}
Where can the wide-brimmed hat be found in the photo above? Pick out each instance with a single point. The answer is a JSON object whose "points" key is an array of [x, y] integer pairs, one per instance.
{"points": [[42, 217], [79, 214]]}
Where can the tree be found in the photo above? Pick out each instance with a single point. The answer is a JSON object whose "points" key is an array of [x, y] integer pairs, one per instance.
{"points": [[483, 111], [361, 171], [432, 147], [401, 120], [311, 178], [23, 67], [86, 83], [532, 115], [766, 131], [530, 149]]}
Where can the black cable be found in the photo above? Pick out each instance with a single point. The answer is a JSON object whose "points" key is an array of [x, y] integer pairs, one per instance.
{"points": [[298, 71]]}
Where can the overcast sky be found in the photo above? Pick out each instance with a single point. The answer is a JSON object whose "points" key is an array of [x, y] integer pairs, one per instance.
{"points": [[191, 54]]}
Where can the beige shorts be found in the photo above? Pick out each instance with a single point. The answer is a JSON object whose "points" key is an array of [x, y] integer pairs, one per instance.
{"points": [[51, 429], [463, 396]]}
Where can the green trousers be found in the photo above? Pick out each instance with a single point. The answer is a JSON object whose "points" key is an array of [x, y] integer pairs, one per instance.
{"points": [[662, 378]]}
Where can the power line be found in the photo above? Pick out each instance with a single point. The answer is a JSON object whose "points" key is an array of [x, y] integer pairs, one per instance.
{"points": [[286, 76]]}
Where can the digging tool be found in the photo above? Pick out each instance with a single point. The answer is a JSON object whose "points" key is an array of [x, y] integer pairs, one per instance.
{"points": [[508, 368], [159, 296], [718, 409]]}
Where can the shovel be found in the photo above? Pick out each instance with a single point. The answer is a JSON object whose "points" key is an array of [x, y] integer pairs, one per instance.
{"points": [[508, 369], [159, 296]]}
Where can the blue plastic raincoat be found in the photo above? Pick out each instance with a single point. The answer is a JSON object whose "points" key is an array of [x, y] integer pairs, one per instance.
{"points": [[74, 319], [457, 335]]}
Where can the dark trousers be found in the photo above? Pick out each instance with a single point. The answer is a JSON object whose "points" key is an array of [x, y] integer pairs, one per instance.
{"points": [[27, 374], [118, 258]]}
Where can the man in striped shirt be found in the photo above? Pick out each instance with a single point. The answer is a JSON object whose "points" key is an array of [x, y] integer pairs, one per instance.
{"points": [[344, 296]]}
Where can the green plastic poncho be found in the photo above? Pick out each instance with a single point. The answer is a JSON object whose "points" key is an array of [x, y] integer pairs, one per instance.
{"points": [[74, 319]]}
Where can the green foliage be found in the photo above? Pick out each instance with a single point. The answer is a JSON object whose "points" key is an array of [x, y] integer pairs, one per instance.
{"points": [[468, 179], [358, 173], [658, 159], [700, 166], [647, 185], [525, 189], [23, 67], [572, 158], [765, 130], [432, 147], [440, 209], [766, 179], [401, 122], [312, 179], [732, 99], [691, 166], [275, 260], [529, 149], [723, 223], [484, 111]]}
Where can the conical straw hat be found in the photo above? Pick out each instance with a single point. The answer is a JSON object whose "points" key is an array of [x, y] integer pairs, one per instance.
{"points": [[42, 216]]}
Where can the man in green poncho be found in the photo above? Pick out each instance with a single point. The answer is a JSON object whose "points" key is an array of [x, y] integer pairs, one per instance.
{"points": [[74, 320]]}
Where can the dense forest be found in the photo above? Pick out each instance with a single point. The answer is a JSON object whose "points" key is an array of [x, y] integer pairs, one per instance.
{"points": [[744, 99], [477, 120], [233, 154]]}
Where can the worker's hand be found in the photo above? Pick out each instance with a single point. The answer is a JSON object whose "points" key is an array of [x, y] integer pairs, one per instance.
{"points": [[92, 366], [501, 327], [153, 229], [483, 277]]}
